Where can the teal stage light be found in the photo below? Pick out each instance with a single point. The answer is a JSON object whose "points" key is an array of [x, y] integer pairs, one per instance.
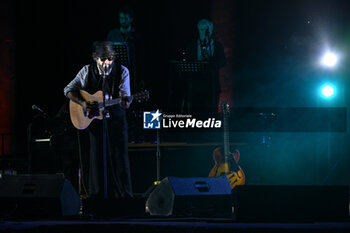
{"points": [[327, 91]]}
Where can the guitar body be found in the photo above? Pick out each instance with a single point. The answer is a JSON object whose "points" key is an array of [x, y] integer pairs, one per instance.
{"points": [[82, 121], [79, 120], [227, 167], [226, 163]]}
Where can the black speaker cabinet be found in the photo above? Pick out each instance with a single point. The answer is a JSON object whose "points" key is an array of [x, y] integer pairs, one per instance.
{"points": [[291, 203], [31, 196], [202, 196]]}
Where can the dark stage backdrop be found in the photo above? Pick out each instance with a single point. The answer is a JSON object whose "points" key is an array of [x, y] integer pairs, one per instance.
{"points": [[272, 59], [54, 41], [7, 76], [274, 49]]}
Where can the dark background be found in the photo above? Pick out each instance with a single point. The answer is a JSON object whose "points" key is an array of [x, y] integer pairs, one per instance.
{"points": [[275, 49], [274, 64]]}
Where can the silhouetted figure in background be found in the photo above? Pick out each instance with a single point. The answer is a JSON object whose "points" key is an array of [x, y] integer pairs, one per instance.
{"points": [[203, 89], [126, 33]]}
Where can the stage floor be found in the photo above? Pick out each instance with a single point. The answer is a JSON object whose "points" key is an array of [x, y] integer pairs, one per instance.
{"points": [[183, 225]]}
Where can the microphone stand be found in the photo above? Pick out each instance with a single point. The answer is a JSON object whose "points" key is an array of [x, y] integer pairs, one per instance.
{"points": [[158, 157], [104, 133], [157, 182], [29, 147]]}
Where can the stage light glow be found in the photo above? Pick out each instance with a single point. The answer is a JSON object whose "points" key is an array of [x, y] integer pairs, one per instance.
{"points": [[327, 91], [329, 59]]}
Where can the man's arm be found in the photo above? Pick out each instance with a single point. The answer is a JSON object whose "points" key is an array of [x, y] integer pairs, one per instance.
{"points": [[125, 88], [89, 108], [77, 98], [72, 92]]}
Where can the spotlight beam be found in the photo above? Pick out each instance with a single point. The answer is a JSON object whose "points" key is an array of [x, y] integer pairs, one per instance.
{"points": [[329, 60]]}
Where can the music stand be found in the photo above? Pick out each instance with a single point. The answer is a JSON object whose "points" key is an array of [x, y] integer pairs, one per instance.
{"points": [[190, 66], [121, 50], [189, 73]]}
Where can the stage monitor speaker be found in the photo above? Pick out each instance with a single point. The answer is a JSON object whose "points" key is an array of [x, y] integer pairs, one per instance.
{"points": [[32, 196], [199, 197], [291, 203]]}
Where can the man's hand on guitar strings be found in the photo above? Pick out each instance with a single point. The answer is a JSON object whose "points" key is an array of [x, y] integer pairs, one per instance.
{"points": [[91, 109]]}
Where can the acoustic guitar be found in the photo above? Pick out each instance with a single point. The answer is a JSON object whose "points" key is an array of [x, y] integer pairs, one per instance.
{"points": [[81, 120], [226, 163]]}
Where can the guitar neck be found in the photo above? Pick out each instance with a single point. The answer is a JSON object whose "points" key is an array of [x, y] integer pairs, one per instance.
{"points": [[138, 96], [226, 136], [114, 101], [110, 102]]}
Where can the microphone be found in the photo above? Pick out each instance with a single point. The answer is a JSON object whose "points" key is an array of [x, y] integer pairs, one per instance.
{"points": [[106, 69], [34, 107]]}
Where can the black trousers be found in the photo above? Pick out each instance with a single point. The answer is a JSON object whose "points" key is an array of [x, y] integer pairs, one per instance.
{"points": [[118, 167]]}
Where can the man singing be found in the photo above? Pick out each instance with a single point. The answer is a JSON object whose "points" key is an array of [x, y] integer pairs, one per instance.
{"points": [[90, 79]]}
